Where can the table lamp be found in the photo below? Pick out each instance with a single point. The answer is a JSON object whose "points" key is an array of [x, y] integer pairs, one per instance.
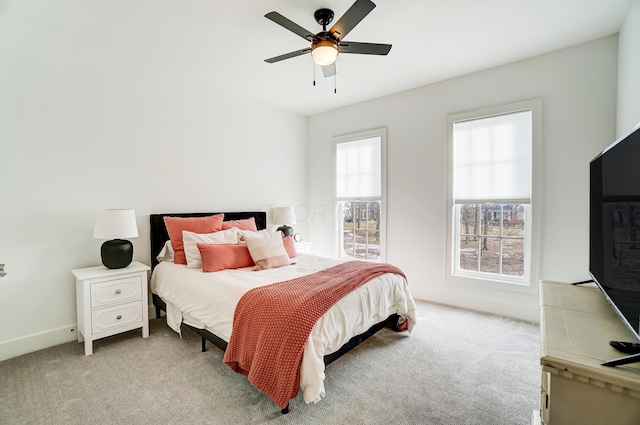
{"points": [[115, 225], [284, 216]]}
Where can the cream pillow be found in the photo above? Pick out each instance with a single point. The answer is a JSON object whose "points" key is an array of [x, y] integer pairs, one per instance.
{"points": [[264, 233], [191, 241], [267, 251], [166, 253]]}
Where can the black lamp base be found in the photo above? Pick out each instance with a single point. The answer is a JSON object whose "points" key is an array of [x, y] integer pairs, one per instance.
{"points": [[116, 253], [286, 230]]}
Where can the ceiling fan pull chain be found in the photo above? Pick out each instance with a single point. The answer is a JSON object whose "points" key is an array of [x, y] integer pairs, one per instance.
{"points": [[335, 83], [313, 64]]}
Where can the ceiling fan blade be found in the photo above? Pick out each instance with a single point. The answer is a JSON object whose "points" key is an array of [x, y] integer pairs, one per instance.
{"points": [[364, 48], [290, 25], [351, 18], [329, 70], [288, 55]]}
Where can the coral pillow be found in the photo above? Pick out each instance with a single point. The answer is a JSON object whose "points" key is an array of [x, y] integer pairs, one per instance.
{"points": [[287, 241], [221, 257], [175, 226], [267, 252], [246, 224], [191, 240]]}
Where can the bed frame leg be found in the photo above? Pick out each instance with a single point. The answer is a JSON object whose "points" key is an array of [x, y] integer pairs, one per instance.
{"points": [[285, 410], [204, 345]]}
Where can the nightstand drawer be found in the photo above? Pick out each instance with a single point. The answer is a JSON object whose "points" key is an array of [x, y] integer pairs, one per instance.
{"points": [[106, 319], [115, 291]]}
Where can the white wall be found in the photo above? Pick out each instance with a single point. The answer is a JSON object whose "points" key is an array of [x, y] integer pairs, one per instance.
{"points": [[629, 71], [578, 91], [84, 128]]}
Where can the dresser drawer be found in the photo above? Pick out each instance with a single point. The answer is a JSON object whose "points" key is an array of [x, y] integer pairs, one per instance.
{"points": [[115, 291], [108, 318]]}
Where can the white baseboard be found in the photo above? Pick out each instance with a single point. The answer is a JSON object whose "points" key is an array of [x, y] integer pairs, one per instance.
{"points": [[31, 343], [506, 308]]}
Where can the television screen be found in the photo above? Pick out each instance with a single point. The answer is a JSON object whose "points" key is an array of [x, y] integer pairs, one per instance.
{"points": [[614, 234]]}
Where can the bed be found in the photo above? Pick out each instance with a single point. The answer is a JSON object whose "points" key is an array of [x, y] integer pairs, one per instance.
{"points": [[206, 302]]}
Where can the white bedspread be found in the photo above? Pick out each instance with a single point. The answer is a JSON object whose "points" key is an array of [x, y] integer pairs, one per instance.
{"points": [[208, 301]]}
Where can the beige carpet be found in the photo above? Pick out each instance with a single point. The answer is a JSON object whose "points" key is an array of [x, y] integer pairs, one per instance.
{"points": [[457, 367]]}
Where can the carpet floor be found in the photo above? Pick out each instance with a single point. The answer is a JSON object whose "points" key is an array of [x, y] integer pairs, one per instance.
{"points": [[457, 367]]}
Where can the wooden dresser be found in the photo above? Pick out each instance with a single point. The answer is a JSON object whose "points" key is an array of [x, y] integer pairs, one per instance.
{"points": [[577, 324]]}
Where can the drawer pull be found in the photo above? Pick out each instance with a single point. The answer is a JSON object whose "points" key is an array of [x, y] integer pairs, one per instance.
{"points": [[118, 291], [118, 317]]}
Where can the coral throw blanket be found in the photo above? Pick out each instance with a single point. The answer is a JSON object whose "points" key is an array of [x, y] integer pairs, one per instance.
{"points": [[272, 323]]}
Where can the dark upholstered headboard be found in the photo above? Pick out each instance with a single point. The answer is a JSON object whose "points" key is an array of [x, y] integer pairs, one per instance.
{"points": [[158, 231]]}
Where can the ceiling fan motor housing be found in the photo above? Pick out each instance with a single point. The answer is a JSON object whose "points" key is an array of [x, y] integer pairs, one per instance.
{"points": [[324, 39]]}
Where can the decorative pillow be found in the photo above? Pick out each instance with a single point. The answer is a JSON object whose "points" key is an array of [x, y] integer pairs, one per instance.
{"points": [[175, 226], [267, 252], [191, 240], [166, 253], [264, 233], [246, 224], [221, 257], [287, 241]]}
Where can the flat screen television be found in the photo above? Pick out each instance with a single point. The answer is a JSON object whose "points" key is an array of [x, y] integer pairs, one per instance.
{"points": [[614, 234]]}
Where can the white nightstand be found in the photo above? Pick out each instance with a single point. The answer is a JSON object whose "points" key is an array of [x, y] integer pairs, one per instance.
{"points": [[303, 247], [111, 301]]}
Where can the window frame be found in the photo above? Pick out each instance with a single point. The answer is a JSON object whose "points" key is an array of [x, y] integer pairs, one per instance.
{"points": [[338, 233], [528, 282]]}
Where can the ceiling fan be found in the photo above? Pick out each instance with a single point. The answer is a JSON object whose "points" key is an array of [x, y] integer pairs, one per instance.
{"points": [[326, 45]]}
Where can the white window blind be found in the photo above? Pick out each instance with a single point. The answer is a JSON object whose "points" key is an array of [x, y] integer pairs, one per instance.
{"points": [[492, 159], [359, 169]]}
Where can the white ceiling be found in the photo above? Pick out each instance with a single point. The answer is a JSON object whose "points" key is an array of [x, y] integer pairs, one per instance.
{"points": [[224, 43]]}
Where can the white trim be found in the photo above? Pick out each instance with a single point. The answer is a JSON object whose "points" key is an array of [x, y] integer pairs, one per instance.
{"points": [[530, 286], [378, 132], [39, 341]]}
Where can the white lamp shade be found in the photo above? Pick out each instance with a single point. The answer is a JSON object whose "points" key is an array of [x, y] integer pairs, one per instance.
{"points": [[115, 224], [284, 215]]}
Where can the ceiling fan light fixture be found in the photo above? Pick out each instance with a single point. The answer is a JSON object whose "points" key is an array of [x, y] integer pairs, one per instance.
{"points": [[324, 52]]}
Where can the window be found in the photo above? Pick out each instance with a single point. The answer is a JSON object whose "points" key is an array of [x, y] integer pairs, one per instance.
{"points": [[492, 238], [360, 195], [491, 193]]}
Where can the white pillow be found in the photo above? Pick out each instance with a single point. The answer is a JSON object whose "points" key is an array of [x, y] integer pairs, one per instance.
{"points": [[166, 253], [267, 251], [191, 241]]}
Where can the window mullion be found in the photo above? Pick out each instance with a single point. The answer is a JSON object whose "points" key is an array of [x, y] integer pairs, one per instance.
{"points": [[354, 220], [478, 234], [500, 233], [366, 230]]}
